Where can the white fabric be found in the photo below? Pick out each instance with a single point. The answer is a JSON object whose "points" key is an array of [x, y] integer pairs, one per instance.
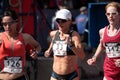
{"points": [[13, 64], [60, 48], [63, 14]]}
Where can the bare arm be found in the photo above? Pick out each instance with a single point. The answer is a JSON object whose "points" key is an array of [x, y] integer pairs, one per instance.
{"points": [[98, 51], [33, 43], [0, 39], [77, 48], [10, 76], [99, 48], [49, 50]]}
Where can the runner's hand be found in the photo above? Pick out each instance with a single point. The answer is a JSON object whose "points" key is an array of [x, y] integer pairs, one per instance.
{"points": [[91, 61]]}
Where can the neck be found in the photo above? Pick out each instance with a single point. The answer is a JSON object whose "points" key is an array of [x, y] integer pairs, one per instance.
{"points": [[112, 27], [12, 35], [65, 31]]}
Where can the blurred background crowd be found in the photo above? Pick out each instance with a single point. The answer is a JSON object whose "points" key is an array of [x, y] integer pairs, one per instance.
{"points": [[71, 4], [36, 17]]}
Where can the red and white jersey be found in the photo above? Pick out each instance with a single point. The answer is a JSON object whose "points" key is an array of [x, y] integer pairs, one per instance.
{"points": [[112, 48], [12, 54], [111, 44]]}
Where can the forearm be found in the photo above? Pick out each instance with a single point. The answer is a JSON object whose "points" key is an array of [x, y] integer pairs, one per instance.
{"points": [[78, 50], [10, 76], [98, 51], [50, 47], [38, 49], [35, 51], [48, 51]]}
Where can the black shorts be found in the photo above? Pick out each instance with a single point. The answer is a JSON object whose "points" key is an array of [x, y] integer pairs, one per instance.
{"points": [[69, 76]]}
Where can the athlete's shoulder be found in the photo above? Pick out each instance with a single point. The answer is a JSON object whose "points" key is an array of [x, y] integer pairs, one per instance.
{"points": [[26, 36], [101, 32], [52, 33], [1, 33]]}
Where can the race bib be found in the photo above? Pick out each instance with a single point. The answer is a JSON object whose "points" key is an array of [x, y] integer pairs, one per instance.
{"points": [[60, 48], [113, 50], [13, 64]]}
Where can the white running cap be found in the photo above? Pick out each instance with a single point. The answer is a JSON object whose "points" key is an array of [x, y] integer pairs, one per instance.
{"points": [[63, 14]]}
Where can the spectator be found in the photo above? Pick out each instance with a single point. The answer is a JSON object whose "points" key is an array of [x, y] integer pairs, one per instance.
{"points": [[81, 22]]}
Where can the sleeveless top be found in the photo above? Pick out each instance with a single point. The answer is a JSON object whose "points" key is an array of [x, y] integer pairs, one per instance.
{"points": [[60, 47], [111, 44], [12, 55], [112, 47]]}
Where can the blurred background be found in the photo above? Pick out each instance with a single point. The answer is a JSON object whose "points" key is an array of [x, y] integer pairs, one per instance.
{"points": [[36, 18]]}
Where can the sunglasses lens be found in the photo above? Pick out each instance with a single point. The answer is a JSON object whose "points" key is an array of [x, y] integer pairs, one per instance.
{"points": [[108, 14], [61, 20], [4, 24], [8, 23]]}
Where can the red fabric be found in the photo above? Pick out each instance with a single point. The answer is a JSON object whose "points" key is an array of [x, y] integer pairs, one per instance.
{"points": [[28, 21], [114, 78], [29, 48], [60, 2], [5, 49], [52, 4], [77, 69], [110, 69]]}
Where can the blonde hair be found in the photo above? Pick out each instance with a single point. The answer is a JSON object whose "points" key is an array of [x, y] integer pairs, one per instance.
{"points": [[113, 4]]}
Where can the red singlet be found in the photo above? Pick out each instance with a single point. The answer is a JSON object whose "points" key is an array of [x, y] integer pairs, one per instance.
{"points": [[12, 54], [112, 48]]}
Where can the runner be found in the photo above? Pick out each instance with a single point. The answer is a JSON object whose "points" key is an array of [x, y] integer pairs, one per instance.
{"points": [[66, 47], [110, 41], [12, 48]]}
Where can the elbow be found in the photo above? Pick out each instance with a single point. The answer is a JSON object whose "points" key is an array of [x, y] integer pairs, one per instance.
{"points": [[82, 56], [39, 48]]}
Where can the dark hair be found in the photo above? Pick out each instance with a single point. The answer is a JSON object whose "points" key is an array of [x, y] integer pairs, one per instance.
{"points": [[10, 13]]}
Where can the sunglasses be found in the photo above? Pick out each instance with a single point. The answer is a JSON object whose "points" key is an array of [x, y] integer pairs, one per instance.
{"points": [[61, 20], [8, 23], [113, 14]]}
